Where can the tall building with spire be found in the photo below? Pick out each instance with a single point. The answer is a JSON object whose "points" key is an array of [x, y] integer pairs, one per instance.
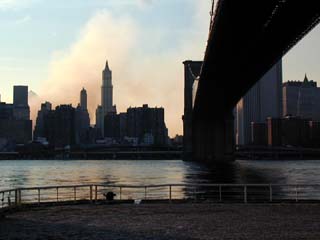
{"points": [[107, 90], [106, 106], [83, 99], [302, 99]]}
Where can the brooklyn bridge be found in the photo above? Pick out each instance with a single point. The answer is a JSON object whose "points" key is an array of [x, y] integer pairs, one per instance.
{"points": [[246, 39]]}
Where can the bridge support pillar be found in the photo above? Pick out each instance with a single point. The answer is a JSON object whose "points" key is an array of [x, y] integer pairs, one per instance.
{"points": [[213, 138]]}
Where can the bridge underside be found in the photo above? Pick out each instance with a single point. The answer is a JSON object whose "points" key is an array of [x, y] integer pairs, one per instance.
{"points": [[243, 45]]}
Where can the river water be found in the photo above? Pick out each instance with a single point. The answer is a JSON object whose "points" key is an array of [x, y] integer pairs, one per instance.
{"points": [[16, 174]]}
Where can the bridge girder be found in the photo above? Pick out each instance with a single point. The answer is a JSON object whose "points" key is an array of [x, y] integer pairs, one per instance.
{"points": [[244, 44]]}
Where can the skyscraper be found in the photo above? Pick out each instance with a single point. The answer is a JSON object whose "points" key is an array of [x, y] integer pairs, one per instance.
{"points": [[302, 99], [263, 100], [59, 126], [99, 120], [21, 108], [20, 95], [82, 119], [107, 90], [106, 99], [83, 99], [144, 122], [15, 123], [39, 131]]}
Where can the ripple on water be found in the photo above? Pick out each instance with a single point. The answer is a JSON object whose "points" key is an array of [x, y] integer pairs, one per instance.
{"points": [[15, 174]]}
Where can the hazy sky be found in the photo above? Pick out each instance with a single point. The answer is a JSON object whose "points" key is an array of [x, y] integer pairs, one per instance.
{"points": [[58, 47]]}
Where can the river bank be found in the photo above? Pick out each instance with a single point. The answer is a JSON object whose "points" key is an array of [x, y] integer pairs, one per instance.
{"points": [[109, 155], [165, 221]]}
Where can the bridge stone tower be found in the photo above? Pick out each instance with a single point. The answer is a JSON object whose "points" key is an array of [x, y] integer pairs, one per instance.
{"points": [[191, 72], [213, 135]]}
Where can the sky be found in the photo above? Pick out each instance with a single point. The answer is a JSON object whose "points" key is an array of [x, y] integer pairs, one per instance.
{"points": [[58, 47]]}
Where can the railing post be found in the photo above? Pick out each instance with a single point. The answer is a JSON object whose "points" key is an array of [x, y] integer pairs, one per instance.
{"points": [[245, 194], [296, 193], [170, 193], [220, 193], [16, 197], [39, 197], [57, 194], [145, 193], [19, 197], [2, 200], [271, 194], [96, 193], [120, 193], [9, 199], [91, 194], [75, 194]]}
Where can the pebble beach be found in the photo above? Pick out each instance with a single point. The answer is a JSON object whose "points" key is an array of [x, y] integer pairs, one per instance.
{"points": [[165, 221]]}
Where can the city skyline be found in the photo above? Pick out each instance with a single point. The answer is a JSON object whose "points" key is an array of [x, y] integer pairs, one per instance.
{"points": [[61, 62], [176, 119]]}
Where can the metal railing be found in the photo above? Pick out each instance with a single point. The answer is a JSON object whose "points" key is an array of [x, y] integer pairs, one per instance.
{"points": [[245, 193]]}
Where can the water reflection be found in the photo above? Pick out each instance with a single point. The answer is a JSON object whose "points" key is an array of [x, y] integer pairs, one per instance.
{"points": [[15, 174]]}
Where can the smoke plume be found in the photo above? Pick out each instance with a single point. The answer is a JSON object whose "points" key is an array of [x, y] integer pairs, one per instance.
{"points": [[139, 76]]}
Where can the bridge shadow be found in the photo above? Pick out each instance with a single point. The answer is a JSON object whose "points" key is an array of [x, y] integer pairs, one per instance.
{"points": [[231, 172], [225, 173]]}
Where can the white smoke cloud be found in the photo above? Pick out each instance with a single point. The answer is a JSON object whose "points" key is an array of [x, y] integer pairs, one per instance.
{"points": [[23, 20], [102, 38], [145, 3], [14, 4], [35, 104], [138, 76]]}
